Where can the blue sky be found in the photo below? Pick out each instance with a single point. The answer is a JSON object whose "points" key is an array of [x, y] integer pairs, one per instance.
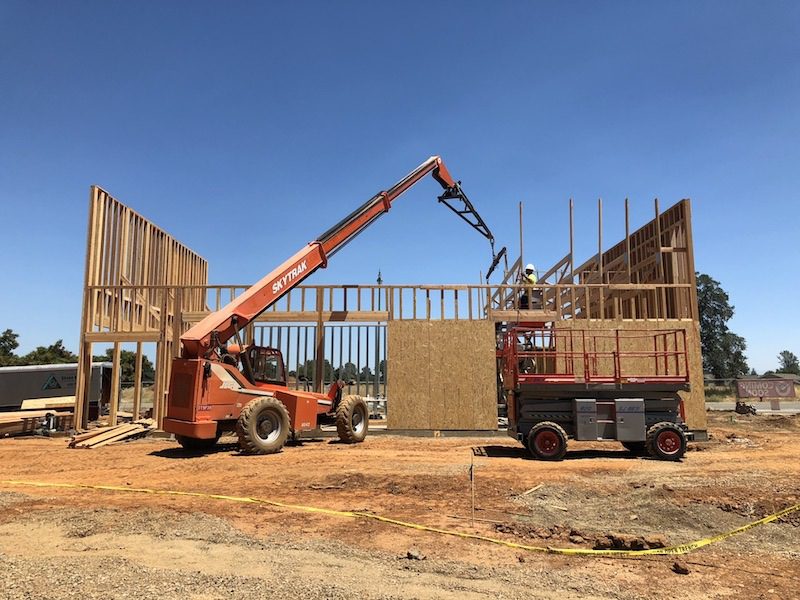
{"points": [[258, 125]]}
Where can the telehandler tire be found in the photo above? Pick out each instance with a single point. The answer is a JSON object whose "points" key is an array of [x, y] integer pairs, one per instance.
{"points": [[263, 426], [195, 444], [352, 419], [666, 441]]}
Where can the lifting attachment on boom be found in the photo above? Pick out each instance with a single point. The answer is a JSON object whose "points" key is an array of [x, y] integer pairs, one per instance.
{"points": [[453, 194]]}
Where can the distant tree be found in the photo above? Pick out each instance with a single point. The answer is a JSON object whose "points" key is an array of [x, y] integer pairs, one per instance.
{"points": [[382, 369], [788, 363], [307, 370], [47, 355], [734, 362], [351, 371], [8, 343], [366, 374], [753, 373], [327, 370], [347, 372], [127, 365], [723, 350]]}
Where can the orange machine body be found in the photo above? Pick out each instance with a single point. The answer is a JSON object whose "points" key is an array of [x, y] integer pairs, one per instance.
{"points": [[207, 397]]}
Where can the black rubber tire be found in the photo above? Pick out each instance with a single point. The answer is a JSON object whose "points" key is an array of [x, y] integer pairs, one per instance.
{"points": [[263, 426], [666, 441], [195, 444], [352, 419], [547, 441], [637, 448]]}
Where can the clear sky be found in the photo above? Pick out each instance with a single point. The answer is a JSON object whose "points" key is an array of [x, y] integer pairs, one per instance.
{"points": [[245, 129]]}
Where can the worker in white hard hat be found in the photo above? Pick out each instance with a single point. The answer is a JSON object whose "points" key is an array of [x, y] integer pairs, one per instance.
{"points": [[530, 274], [527, 278]]}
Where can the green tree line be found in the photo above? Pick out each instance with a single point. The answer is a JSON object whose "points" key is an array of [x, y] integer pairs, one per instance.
{"points": [[347, 372]]}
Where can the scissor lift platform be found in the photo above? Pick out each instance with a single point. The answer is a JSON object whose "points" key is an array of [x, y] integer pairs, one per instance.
{"points": [[595, 386]]}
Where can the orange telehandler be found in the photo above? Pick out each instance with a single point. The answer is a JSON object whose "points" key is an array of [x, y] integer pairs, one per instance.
{"points": [[216, 387]]}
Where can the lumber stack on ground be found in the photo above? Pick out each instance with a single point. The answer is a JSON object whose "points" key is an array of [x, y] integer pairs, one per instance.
{"points": [[102, 436], [60, 402], [28, 421]]}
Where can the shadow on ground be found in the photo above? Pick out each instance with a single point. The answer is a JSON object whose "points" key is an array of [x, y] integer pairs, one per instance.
{"points": [[522, 453], [179, 452], [230, 447]]}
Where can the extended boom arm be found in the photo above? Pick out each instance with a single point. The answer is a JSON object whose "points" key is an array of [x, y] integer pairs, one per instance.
{"points": [[220, 326]]}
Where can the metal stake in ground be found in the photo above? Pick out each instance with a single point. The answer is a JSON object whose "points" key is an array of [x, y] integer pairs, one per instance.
{"points": [[472, 486]]}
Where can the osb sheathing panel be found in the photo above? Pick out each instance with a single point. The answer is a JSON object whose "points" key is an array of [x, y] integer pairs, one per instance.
{"points": [[694, 401], [442, 375]]}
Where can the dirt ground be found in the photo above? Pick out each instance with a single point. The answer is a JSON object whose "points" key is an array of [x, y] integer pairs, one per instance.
{"points": [[78, 543]]}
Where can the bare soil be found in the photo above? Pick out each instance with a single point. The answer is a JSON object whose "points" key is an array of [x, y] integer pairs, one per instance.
{"points": [[64, 543]]}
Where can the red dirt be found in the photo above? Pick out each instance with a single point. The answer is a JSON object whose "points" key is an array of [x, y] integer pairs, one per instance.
{"points": [[748, 470]]}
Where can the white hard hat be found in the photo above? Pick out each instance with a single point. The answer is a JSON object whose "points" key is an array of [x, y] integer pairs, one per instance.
{"points": [[530, 267]]}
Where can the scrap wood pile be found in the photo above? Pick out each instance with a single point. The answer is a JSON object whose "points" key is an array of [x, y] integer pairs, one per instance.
{"points": [[30, 421], [103, 436]]}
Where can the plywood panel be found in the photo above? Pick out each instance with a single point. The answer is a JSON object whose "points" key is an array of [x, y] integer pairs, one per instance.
{"points": [[407, 348], [442, 375], [442, 400]]}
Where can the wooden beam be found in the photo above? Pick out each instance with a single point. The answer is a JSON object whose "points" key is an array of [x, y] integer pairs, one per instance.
{"points": [[600, 237], [137, 379], [534, 316], [687, 207], [521, 248], [571, 242], [319, 347], [115, 373], [124, 336], [627, 240], [309, 316]]}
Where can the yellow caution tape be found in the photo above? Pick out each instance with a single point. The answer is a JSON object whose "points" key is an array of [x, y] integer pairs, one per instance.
{"points": [[681, 549]]}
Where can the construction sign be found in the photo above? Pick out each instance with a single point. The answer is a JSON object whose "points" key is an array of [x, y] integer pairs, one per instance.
{"points": [[764, 388]]}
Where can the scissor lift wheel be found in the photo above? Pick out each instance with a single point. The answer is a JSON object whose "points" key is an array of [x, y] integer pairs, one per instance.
{"points": [[666, 441], [547, 441]]}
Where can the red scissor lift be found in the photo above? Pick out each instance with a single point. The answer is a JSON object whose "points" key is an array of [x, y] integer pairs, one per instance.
{"points": [[585, 384]]}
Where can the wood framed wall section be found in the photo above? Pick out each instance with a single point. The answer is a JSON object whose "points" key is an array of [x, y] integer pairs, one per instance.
{"points": [[142, 286], [132, 272], [659, 254]]}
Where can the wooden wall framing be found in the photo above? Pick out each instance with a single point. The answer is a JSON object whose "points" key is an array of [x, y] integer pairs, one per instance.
{"points": [[132, 294], [142, 286], [660, 252]]}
